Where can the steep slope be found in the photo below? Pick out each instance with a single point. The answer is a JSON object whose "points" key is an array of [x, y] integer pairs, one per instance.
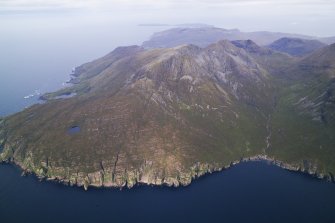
{"points": [[302, 124], [83, 74], [204, 36], [161, 116], [304, 117], [317, 93], [295, 46], [275, 62]]}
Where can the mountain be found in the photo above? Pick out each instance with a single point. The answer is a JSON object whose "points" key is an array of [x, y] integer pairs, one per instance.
{"points": [[169, 115], [204, 36], [295, 46], [317, 96], [328, 40], [273, 61], [304, 117]]}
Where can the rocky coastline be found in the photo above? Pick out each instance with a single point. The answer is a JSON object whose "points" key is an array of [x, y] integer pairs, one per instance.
{"points": [[119, 177], [143, 176]]}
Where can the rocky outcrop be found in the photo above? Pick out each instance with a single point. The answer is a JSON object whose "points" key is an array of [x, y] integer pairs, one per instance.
{"points": [[108, 177], [305, 166], [2, 137], [118, 179]]}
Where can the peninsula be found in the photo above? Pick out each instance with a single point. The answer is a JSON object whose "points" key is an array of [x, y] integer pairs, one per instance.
{"points": [[165, 116]]}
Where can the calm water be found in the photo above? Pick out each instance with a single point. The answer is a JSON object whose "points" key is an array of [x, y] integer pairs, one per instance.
{"points": [[249, 192], [74, 130], [38, 55], [39, 52]]}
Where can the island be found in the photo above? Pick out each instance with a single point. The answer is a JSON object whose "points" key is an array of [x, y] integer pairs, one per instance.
{"points": [[166, 116]]}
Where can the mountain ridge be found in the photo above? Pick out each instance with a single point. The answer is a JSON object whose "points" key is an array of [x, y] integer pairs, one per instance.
{"points": [[296, 46], [204, 36]]}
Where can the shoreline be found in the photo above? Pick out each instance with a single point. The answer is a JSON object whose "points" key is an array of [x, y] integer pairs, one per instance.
{"points": [[177, 182]]}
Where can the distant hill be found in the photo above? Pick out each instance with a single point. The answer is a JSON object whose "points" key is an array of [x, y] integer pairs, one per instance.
{"points": [[296, 46], [321, 59], [328, 40], [251, 47], [204, 36]]}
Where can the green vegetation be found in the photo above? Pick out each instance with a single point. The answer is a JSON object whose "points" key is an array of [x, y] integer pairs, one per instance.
{"points": [[166, 116]]}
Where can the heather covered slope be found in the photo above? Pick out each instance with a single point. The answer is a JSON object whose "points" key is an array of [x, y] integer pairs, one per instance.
{"points": [[165, 116]]}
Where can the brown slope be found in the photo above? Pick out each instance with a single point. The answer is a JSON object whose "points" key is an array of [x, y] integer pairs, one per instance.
{"points": [[156, 116]]}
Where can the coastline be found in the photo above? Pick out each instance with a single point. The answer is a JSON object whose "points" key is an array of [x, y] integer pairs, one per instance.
{"points": [[119, 177], [91, 180]]}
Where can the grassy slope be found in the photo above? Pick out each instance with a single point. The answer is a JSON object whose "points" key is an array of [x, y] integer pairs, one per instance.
{"points": [[303, 122]]}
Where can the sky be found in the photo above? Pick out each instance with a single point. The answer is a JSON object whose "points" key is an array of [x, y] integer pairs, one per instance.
{"points": [[312, 17]]}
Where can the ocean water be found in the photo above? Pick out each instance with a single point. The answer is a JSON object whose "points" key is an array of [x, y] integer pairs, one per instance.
{"points": [[37, 55], [248, 192], [39, 52]]}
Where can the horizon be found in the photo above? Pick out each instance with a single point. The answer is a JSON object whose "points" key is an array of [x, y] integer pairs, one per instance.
{"points": [[311, 17], [202, 25]]}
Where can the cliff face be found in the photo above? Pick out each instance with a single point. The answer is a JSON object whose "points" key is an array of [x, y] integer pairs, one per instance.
{"points": [[167, 116]]}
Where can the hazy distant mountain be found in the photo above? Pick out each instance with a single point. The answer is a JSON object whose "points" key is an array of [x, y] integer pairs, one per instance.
{"points": [[251, 47], [273, 61], [204, 36], [169, 115], [295, 46], [320, 60], [186, 25], [327, 40]]}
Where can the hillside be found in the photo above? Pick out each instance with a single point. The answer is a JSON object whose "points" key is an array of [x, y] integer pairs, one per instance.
{"points": [[307, 102], [169, 115]]}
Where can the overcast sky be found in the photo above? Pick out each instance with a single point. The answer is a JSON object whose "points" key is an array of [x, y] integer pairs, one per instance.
{"points": [[313, 17]]}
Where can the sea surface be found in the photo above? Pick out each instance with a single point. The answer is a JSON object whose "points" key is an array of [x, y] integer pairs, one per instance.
{"points": [[37, 57], [248, 192]]}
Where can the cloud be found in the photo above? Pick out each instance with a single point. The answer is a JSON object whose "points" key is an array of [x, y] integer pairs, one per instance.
{"points": [[308, 16], [33, 5]]}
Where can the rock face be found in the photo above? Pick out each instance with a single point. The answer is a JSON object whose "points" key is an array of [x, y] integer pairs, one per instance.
{"points": [[295, 46], [168, 116]]}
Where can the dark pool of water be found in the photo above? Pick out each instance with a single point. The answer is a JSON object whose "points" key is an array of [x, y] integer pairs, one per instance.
{"points": [[65, 96], [74, 130], [248, 192]]}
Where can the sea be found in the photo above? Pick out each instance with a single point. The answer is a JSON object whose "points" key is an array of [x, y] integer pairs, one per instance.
{"points": [[37, 57]]}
